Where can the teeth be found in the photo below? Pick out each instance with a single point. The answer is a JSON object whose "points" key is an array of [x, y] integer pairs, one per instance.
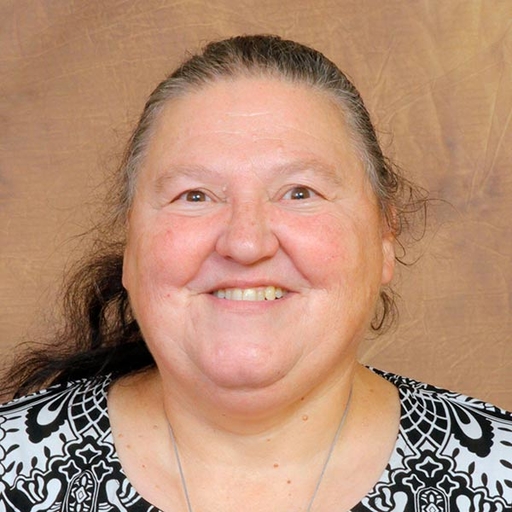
{"points": [[251, 294]]}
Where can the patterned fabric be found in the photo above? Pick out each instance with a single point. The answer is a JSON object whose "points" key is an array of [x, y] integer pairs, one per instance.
{"points": [[453, 453]]}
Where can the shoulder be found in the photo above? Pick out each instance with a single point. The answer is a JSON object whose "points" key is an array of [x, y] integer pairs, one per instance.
{"points": [[59, 411], [433, 403], [39, 414], [38, 431], [456, 444], [57, 452]]}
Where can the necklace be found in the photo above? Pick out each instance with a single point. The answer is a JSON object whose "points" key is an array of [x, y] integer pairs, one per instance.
{"points": [[320, 478]]}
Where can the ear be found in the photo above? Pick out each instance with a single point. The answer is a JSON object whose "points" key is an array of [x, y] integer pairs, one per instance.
{"points": [[388, 260], [124, 278], [388, 246]]}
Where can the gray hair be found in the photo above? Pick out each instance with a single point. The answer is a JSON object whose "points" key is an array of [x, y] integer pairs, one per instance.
{"points": [[272, 56]]}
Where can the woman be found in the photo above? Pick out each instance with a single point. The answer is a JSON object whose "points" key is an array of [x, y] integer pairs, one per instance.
{"points": [[259, 220]]}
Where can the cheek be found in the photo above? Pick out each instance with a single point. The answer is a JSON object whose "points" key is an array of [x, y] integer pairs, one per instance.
{"points": [[168, 256], [332, 250]]}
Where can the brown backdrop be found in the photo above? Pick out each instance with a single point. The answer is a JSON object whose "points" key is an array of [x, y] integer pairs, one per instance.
{"points": [[436, 74]]}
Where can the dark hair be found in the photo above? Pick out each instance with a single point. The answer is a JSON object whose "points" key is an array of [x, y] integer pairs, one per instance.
{"points": [[100, 334]]}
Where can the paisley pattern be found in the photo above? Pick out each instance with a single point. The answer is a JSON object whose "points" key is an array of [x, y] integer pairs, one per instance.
{"points": [[453, 453]]}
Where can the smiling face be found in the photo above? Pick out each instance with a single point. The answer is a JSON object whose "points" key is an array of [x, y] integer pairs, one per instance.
{"points": [[256, 248]]}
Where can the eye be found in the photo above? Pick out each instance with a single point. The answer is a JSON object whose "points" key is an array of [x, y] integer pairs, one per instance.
{"points": [[299, 193], [194, 196]]}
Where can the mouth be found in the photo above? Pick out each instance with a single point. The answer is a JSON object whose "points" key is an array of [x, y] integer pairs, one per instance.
{"points": [[260, 293]]}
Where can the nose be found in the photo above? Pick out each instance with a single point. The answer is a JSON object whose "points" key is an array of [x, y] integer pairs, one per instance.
{"points": [[248, 236]]}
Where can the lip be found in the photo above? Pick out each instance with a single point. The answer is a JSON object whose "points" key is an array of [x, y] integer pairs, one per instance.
{"points": [[260, 283], [247, 305], [258, 294]]}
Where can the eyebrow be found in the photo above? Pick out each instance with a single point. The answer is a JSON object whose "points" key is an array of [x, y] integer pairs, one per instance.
{"points": [[173, 173], [313, 165]]}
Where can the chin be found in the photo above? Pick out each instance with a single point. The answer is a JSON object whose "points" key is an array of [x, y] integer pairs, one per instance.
{"points": [[244, 369], [243, 377], [249, 394]]}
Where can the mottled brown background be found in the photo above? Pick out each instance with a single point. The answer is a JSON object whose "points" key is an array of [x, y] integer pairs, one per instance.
{"points": [[436, 74]]}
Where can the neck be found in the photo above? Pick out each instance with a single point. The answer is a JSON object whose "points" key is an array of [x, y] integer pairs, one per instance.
{"points": [[320, 477], [252, 435], [260, 463]]}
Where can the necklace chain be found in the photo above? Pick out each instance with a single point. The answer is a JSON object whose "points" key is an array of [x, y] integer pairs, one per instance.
{"points": [[320, 478]]}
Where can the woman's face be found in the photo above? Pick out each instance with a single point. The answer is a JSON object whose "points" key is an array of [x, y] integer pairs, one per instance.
{"points": [[255, 249]]}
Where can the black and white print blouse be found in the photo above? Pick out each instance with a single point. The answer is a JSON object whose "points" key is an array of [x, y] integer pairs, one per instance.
{"points": [[452, 453]]}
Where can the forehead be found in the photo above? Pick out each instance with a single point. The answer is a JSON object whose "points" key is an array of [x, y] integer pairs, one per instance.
{"points": [[251, 119]]}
